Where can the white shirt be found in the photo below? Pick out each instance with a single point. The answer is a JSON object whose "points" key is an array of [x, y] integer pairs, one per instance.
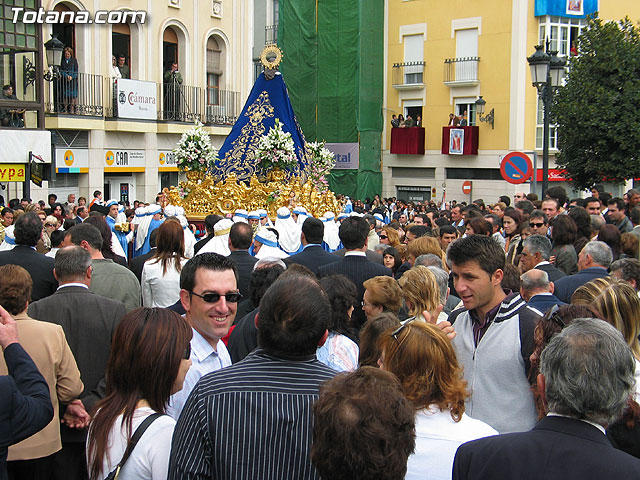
{"points": [[204, 359], [438, 437], [150, 458], [160, 289]]}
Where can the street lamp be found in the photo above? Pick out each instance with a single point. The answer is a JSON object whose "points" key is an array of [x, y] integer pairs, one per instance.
{"points": [[54, 49], [547, 73], [489, 117]]}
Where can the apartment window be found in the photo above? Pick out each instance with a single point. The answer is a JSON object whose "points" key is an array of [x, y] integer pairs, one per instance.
{"points": [[553, 129], [467, 54], [214, 70], [466, 105], [562, 32], [414, 57]]}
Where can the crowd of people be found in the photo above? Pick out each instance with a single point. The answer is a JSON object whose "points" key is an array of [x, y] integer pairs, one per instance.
{"points": [[390, 340]]}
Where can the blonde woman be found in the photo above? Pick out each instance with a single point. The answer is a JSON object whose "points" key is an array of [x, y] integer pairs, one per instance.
{"points": [[389, 236], [619, 305], [420, 291], [422, 246], [382, 294]]}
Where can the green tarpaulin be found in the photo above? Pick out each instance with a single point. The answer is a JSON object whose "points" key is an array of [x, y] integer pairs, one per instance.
{"points": [[333, 66]]}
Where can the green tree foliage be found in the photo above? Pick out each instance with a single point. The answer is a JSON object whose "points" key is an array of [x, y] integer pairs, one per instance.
{"points": [[597, 111]]}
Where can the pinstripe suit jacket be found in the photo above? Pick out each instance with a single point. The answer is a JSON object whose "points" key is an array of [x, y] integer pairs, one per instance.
{"points": [[358, 269]]}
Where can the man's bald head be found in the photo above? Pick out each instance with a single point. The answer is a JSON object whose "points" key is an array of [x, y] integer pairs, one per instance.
{"points": [[533, 282]]}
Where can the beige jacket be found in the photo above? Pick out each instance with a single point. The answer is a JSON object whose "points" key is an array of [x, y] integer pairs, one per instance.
{"points": [[47, 345]]}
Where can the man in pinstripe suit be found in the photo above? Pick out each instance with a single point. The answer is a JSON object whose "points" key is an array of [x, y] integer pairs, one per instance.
{"points": [[253, 419]]}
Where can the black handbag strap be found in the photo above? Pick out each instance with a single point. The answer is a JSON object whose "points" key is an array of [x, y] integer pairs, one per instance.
{"points": [[136, 436]]}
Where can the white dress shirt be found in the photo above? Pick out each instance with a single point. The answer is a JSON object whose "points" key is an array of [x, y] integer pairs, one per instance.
{"points": [[204, 359]]}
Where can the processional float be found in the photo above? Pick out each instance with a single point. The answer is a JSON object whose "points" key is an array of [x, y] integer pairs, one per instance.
{"points": [[265, 162]]}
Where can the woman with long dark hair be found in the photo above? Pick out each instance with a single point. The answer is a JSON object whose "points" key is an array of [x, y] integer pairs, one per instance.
{"points": [[512, 222], [392, 259], [610, 235], [161, 273], [339, 351], [149, 360], [564, 232]]}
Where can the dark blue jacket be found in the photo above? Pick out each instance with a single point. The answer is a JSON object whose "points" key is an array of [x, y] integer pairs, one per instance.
{"points": [[565, 287], [25, 404]]}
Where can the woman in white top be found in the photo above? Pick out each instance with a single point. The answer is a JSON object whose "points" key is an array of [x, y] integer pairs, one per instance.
{"points": [[149, 360], [339, 351], [423, 359], [161, 273]]}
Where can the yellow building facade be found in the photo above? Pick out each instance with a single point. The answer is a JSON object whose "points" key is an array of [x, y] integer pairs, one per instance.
{"points": [[441, 57]]}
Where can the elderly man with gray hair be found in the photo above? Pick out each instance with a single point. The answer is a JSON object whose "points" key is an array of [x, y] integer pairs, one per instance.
{"points": [[434, 263], [587, 375], [537, 291], [536, 252], [593, 262]]}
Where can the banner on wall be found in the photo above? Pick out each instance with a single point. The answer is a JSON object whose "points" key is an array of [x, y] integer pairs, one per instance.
{"points": [[456, 141], [346, 155], [167, 161], [72, 160], [575, 7], [124, 160], [136, 99]]}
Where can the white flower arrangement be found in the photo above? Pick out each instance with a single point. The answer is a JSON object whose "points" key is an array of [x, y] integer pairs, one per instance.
{"points": [[194, 151], [321, 161], [276, 150]]}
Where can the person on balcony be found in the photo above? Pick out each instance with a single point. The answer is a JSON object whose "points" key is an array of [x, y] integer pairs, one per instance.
{"points": [[409, 122], [395, 123], [10, 117], [452, 119], [124, 69], [464, 122], [173, 91], [69, 73]]}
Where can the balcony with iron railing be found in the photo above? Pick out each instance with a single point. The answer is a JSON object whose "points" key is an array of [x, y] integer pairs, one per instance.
{"points": [[408, 76], [271, 34], [75, 93], [87, 95], [461, 71]]}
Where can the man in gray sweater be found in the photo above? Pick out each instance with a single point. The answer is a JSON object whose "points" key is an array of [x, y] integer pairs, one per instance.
{"points": [[494, 337]]}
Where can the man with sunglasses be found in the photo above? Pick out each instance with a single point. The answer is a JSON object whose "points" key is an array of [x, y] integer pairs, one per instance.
{"points": [[254, 418], [538, 223], [209, 294]]}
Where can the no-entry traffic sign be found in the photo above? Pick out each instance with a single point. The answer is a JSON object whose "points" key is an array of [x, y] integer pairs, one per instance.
{"points": [[466, 187], [516, 167]]}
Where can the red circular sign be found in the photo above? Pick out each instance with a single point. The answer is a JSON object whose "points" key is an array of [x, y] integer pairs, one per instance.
{"points": [[466, 187], [516, 167]]}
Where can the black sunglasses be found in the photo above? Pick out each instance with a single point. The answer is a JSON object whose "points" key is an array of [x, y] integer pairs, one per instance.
{"points": [[187, 352], [556, 318], [396, 333], [383, 237], [232, 297], [536, 225]]}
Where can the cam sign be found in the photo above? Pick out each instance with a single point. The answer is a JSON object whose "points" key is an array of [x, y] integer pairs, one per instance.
{"points": [[136, 99]]}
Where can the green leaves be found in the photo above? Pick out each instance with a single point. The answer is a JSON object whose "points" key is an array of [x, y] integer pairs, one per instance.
{"points": [[597, 110]]}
